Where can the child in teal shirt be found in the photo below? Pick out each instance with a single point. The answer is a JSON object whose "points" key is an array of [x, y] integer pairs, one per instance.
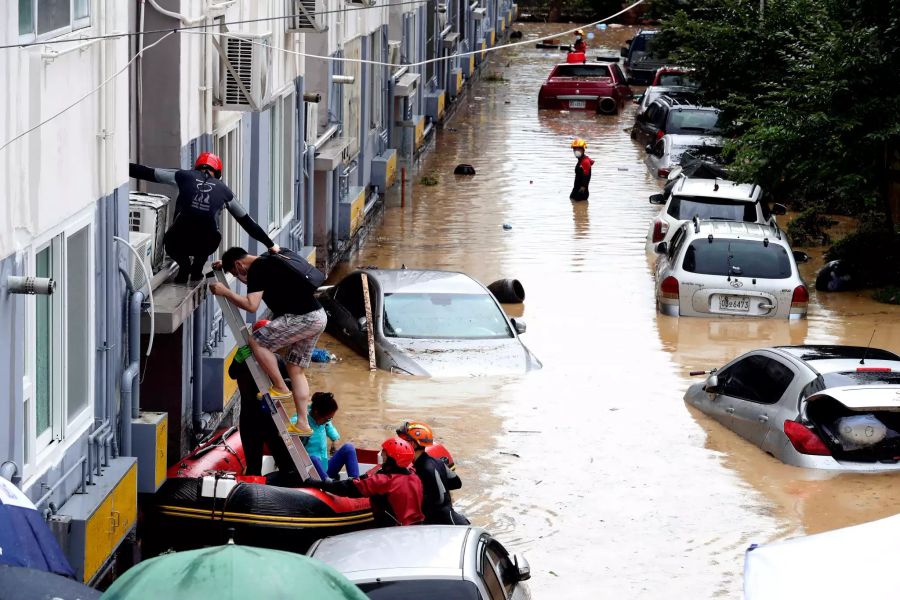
{"points": [[322, 409]]}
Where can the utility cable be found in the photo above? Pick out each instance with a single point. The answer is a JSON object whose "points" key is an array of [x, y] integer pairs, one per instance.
{"points": [[86, 96]]}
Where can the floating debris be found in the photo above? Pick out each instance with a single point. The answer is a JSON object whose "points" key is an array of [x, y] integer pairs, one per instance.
{"points": [[507, 226]]}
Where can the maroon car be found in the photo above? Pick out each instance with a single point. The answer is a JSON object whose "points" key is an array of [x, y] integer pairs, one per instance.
{"points": [[597, 86]]}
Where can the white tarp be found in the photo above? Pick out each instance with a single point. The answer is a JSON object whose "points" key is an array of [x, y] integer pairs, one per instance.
{"points": [[844, 564]]}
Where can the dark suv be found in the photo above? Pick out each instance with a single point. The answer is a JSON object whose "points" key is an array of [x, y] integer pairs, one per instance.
{"points": [[669, 114], [641, 62]]}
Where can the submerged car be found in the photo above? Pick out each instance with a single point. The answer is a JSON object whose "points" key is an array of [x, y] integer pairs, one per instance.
{"points": [[427, 322], [438, 562], [667, 115], [665, 154], [653, 92], [599, 86], [820, 407], [675, 76], [729, 269], [641, 62]]}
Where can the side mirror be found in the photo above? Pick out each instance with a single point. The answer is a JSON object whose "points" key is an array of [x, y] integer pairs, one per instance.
{"points": [[662, 248], [362, 324], [800, 256], [657, 199], [522, 567], [648, 149], [518, 325], [623, 52], [712, 384]]}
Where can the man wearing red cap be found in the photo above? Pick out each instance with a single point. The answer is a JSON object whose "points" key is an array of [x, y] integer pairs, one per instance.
{"points": [[194, 233]]}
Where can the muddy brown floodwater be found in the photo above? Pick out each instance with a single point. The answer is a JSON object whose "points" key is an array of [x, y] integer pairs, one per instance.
{"points": [[593, 466]]}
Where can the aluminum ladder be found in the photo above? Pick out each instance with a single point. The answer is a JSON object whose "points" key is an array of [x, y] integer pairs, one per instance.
{"points": [[241, 331]]}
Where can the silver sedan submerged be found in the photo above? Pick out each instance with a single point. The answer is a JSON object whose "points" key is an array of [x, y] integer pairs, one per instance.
{"points": [[428, 322], [822, 407]]}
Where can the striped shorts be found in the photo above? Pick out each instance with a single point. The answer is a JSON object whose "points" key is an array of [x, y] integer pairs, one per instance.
{"points": [[294, 335]]}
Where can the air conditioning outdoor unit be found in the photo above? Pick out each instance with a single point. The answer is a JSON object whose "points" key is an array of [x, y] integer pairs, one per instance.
{"points": [[149, 213], [312, 123], [143, 246], [244, 68], [305, 16]]}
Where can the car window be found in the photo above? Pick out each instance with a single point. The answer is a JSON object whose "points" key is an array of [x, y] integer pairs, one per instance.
{"points": [[582, 71], [757, 379], [490, 576], [861, 378], [447, 316], [499, 558], [659, 148], [741, 258], [348, 293], [617, 71], [676, 80], [412, 589], [652, 112], [685, 208], [694, 120], [677, 241]]}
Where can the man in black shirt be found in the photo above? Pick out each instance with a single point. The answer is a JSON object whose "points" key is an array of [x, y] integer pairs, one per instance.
{"points": [[296, 324], [194, 232]]}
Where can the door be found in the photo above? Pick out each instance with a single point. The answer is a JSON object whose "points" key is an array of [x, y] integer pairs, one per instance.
{"points": [[348, 308], [751, 387]]}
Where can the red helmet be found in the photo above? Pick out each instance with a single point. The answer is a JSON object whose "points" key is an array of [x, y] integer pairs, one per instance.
{"points": [[400, 450], [260, 324], [208, 159]]}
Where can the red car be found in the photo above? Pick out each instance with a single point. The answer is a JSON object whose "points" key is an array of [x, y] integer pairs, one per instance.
{"points": [[598, 86], [668, 76]]}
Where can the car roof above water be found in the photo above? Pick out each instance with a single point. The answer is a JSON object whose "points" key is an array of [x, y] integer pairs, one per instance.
{"points": [[834, 359], [727, 190], [736, 230], [425, 281], [425, 549]]}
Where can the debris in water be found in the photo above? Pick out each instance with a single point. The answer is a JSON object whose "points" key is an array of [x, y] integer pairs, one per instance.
{"points": [[464, 169], [511, 454], [428, 180], [507, 226], [522, 431], [622, 168], [479, 97], [530, 181]]}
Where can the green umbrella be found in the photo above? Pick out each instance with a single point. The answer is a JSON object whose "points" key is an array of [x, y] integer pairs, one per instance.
{"points": [[231, 571]]}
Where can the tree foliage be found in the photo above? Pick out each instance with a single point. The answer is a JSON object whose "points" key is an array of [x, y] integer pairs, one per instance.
{"points": [[811, 88]]}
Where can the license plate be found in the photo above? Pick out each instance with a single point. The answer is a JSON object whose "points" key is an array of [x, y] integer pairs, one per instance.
{"points": [[576, 104], [734, 303]]}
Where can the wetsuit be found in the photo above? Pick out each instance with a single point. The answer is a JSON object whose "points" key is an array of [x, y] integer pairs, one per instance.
{"points": [[195, 229], [395, 493], [437, 481], [582, 179], [256, 424]]}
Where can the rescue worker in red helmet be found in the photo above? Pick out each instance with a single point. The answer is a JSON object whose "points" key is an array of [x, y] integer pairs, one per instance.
{"points": [[437, 477], [394, 490], [582, 170], [194, 233], [579, 46]]}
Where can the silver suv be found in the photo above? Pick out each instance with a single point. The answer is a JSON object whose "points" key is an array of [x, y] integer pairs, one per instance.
{"points": [[727, 268]]}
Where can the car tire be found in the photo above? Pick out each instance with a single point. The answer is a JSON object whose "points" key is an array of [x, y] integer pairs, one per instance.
{"points": [[508, 291]]}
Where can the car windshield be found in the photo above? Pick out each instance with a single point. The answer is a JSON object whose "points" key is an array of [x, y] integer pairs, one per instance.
{"points": [[582, 71], [455, 316], [676, 80], [695, 120], [861, 378], [743, 258], [412, 589], [642, 43], [685, 208]]}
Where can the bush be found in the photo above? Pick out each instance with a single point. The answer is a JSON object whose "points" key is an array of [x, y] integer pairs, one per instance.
{"points": [[808, 228], [871, 256], [888, 295]]}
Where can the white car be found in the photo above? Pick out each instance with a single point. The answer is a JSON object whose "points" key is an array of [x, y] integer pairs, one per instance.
{"points": [[655, 91], [711, 199], [728, 268], [438, 562], [665, 153]]}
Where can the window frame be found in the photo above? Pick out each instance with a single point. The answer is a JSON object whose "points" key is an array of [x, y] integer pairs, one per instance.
{"points": [[75, 24], [228, 145], [41, 451], [282, 126], [758, 371]]}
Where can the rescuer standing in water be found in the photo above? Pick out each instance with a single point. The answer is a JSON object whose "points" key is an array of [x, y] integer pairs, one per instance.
{"points": [[579, 46], [582, 171]]}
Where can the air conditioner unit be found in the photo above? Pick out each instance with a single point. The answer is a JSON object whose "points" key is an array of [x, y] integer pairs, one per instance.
{"points": [[149, 213], [305, 15], [244, 71], [143, 246], [312, 123]]}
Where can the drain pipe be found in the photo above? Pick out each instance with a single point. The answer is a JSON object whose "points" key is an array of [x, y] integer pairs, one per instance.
{"points": [[335, 209], [308, 208], [198, 335], [8, 470], [131, 389]]}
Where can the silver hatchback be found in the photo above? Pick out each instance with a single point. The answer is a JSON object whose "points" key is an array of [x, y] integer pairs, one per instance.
{"points": [[726, 268]]}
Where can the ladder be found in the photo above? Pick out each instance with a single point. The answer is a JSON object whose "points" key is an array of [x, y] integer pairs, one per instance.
{"points": [[241, 332]]}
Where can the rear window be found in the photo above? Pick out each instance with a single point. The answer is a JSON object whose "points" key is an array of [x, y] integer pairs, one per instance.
{"points": [[742, 258], [861, 378], [582, 71], [642, 43], [411, 589], [694, 121], [676, 80], [686, 208]]}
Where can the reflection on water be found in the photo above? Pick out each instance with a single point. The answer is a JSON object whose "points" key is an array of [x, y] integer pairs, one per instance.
{"points": [[594, 465]]}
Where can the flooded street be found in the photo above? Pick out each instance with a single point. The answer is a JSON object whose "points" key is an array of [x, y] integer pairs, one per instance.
{"points": [[593, 466]]}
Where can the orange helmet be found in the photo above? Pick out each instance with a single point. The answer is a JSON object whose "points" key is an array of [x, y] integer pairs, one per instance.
{"points": [[579, 32], [400, 450], [579, 143], [416, 432], [208, 159], [260, 324]]}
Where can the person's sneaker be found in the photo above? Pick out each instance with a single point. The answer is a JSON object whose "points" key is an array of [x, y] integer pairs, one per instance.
{"points": [[294, 430], [276, 395]]}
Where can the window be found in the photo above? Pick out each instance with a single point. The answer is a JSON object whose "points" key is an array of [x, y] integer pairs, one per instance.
{"points": [[694, 120], [499, 559], [443, 315], [757, 379], [433, 589], [376, 82], [59, 367], [742, 258], [593, 71], [686, 208], [228, 147], [48, 18], [430, 17], [281, 161], [352, 92]]}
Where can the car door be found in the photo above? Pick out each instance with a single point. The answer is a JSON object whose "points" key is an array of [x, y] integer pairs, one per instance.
{"points": [[653, 160], [345, 311], [645, 129], [751, 387], [500, 574]]}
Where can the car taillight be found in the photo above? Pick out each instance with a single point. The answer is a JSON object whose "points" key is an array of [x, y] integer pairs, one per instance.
{"points": [[660, 229], [873, 369], [800, 298], [662, 172], [660, 133], [804, 440], [669, 288]]}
